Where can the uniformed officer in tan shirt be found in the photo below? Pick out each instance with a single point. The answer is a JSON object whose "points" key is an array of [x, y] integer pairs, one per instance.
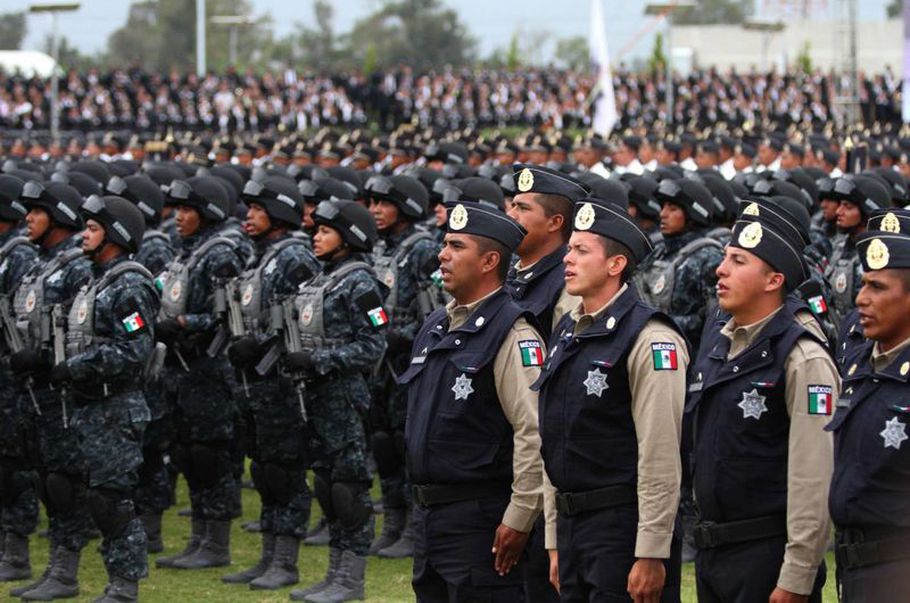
{"points": [[473, 447], [611, 403], [762, 390]]}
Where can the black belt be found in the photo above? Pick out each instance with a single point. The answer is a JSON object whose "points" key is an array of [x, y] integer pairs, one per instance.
{"points": [[573, 503], [709, 535], [429, 495], [858, 548], [91, 391]]}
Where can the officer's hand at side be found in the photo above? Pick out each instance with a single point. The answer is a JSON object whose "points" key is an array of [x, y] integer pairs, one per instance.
{"points": [[397, 342], [26, 362], [60, 374], [301, 361], [167, 330], [646, 580], [554, 568], [507, 546], [785, 596], [245, 352]]}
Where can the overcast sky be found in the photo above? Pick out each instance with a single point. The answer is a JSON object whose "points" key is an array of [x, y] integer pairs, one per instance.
{"points": [[492, 22]]}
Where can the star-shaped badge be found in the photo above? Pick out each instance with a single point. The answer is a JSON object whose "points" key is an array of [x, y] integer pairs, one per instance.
{"points": [[462, 387], [596, 383], [894, 433], [753, 405]]}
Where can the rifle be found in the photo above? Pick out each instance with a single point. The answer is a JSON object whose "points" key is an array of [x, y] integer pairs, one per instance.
{"points": [[283, 325], [13, 341], [53, 340]]}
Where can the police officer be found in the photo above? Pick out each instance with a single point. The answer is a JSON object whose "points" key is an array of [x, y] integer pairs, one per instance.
{"points": [[341, 322], [18, 498], [858, 197], [870, 488], [471, 440], [404, 259], [677, 278], [40, 305], [611, 401], [154, 490], [543, 206], [274, 422], [204, 409], [109, 341], [763, 387]]}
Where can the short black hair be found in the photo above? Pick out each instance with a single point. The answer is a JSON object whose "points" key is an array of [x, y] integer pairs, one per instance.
{"points": [[505, 256], [612, 247]]}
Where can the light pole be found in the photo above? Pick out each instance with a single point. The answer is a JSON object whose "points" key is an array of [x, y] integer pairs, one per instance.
{"points": [[666, 9], [767, 27], [234, 22], [53, 9]]}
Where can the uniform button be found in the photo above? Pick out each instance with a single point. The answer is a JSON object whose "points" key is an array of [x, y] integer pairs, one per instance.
{"points": [[457, 342], [875, 381], [764, 354], [439, 327], [735, 369]]}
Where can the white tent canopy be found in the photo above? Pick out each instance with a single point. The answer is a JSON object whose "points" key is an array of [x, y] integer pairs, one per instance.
{"points": [[27, 62]]}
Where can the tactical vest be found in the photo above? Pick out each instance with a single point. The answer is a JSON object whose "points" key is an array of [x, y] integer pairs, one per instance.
{"points": [[80, 326], [741, 422], [7, 248], [588, 438], [150, 235], [310, 304], [387, 268], [870, 486], [538, 289], [721, 234], [249, 288], [656, 282], [456, 430], [174, 281], [30, 296], [841, 275]]}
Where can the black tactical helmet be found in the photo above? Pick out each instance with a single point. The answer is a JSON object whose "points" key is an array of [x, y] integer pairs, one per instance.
{"points": [[353, 221], [693, 197], [864, 192], [60, 201], [279, 198], [83, 183], [206, 195], [93, 168], [11, 210], [324, 189], [482, 190], [642, 191], [407, 193], [142, 192], [123, 223]]}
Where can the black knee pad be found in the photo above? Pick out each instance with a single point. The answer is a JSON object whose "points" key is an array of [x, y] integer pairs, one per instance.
{"points": [[62, 490], [262, 485], [349, 507], [322, 489], [152, 463], [209, 463], [279, 482], [387, 460], [399, 444], [112, 510]]}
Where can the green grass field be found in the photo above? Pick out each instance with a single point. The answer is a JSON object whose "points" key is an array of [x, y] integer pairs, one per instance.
{"points": [[387, 580]]}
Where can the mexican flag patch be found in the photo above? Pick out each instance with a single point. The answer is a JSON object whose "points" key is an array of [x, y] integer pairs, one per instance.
{"points": [[531, 353], [664, 356], [818, 305], [133, 323], [378, 317], [820, 397]]}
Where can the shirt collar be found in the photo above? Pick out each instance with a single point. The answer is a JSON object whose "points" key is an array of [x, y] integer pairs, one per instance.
{"points": [[743, 336], [881, 360], [583, 321], [459, 314]]}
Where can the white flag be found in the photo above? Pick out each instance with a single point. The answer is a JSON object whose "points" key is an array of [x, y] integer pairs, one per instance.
{"points": [[605, 115]]}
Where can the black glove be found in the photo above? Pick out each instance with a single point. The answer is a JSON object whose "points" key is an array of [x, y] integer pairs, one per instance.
{"points": [[60, 374], [167, 330], [244, 353], [300, 361], [27, 362]]}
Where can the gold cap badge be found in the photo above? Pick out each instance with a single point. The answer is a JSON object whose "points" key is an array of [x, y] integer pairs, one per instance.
{"points": [[751, 210], [458, 219], [890, 223], [877, 255], [751, 236], [525, 180], [584, 219]]}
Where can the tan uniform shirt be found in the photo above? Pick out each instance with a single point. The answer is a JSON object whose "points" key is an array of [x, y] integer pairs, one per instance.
{"points": [[519, 405], [810, 452], [881, 360], [658, 398]]}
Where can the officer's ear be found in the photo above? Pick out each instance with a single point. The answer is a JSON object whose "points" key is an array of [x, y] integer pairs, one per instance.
{"points": [[616, 264], [775, 282]]}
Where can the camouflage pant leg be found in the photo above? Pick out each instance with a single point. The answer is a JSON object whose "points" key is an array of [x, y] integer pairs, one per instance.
{"points": [[281, 457], [339, 453], [18, 497], [205, 418], [154, 492], [125, 555]]}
